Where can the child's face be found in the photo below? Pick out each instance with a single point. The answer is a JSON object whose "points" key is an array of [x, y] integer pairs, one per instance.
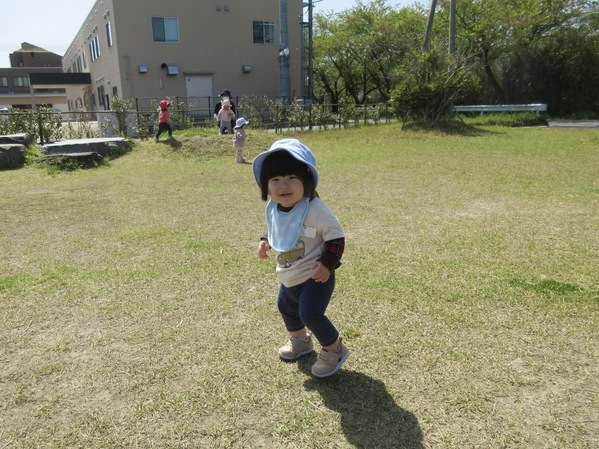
{"points": [[286, 190]]}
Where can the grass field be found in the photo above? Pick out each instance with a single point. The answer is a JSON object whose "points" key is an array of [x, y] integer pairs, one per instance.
{"points": [[135, 313]]}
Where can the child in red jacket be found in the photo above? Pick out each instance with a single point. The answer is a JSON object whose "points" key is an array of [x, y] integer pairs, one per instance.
{"points": [[164, 120]]}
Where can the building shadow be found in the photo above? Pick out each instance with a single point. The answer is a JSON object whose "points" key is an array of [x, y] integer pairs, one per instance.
{"points": [[370, 418]]}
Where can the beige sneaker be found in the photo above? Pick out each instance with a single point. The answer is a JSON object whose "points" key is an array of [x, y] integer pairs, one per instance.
{"points": [[329, 362], [296, 347]]}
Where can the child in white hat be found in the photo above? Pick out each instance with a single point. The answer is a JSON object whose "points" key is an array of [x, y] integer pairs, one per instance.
{"points": [[308, 242], [239, 137]]}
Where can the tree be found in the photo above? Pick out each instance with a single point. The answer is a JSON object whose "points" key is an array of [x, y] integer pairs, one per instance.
{"points": [[493, 30], [430, 82], [357, 52], [517, 51], [562, 69]]}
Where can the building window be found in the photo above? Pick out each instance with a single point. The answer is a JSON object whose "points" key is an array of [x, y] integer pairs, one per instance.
{"points": [[109, 34], [264, 32], [97, 46], [94, 48], [165, 29], [3, 81], [102, 98], [20, 81]]}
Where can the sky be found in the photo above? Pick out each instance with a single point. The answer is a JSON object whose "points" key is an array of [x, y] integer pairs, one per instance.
{"points": [[53, 24]]}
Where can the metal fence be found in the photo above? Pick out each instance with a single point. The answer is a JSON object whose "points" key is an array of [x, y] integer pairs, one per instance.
{"points": [[261, 112]]}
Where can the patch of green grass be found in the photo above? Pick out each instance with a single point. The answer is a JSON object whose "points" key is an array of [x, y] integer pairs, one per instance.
{"points": [[31, 155], [134, 311], [549, 286], [10, 282], [514, 119]]}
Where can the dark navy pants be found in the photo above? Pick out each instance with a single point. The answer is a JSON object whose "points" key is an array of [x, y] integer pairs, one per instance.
{"points": [[304, 305], [162, 127]]}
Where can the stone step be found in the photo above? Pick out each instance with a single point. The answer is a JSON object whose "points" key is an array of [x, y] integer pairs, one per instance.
{"points": [[103, 146]]}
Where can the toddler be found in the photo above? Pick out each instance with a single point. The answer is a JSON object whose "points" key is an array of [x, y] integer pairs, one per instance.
{"points": [[164, 120], [239, 136], [225, 116], [308, 242]]}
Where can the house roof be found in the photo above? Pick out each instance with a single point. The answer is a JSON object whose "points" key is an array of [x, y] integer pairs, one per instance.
{"points": [[26, 47]]}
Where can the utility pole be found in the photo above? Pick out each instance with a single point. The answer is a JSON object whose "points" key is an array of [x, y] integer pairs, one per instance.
{"points": [[426, 44], [284, 79], [452, 26], [310, 51]]}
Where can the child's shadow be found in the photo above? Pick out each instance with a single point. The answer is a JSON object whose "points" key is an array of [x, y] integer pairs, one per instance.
{"points": [[370, 418], [172, 142]]}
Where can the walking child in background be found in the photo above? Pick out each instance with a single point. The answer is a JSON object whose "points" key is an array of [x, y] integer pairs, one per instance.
{"points": [[164, 120], [224, 95], [239, 137], [225, 116], [309, 242]]}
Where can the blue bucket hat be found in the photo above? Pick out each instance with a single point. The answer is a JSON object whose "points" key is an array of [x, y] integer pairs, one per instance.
{"points": [[296, 149]]}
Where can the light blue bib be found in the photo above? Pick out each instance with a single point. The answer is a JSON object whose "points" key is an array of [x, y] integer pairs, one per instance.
{"points": [[285, 228]]}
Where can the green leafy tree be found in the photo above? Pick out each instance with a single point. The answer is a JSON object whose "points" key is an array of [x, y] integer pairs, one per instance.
{"points": [[507, 51], [562, 69], [357, 52], [495, 30], [430, 82]]}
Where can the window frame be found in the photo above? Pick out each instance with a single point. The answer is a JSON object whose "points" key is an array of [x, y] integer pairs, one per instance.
{"points": [[94, 48], [264, 32], [109, 33], [24, 79], [162, 30]]}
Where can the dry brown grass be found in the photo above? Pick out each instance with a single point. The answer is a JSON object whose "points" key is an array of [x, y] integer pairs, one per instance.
{"points": [[135, 313]]}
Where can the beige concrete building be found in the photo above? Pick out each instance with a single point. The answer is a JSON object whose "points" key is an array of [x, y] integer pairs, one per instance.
{"points": [[151, 49]]}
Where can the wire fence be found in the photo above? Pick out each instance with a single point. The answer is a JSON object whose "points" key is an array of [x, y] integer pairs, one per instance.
{"points": [[140, 118]]}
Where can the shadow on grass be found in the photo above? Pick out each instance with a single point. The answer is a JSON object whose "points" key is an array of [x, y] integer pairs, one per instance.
{"points": [[171, 142], [451, 127], [466, 124], [370, 418]]}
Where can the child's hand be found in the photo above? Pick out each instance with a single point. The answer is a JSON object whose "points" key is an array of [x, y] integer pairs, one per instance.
{"points": [[263, 248], [320, 273]]}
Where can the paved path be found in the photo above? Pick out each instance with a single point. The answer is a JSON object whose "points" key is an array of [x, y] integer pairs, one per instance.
{"points": [[593, 124]]}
